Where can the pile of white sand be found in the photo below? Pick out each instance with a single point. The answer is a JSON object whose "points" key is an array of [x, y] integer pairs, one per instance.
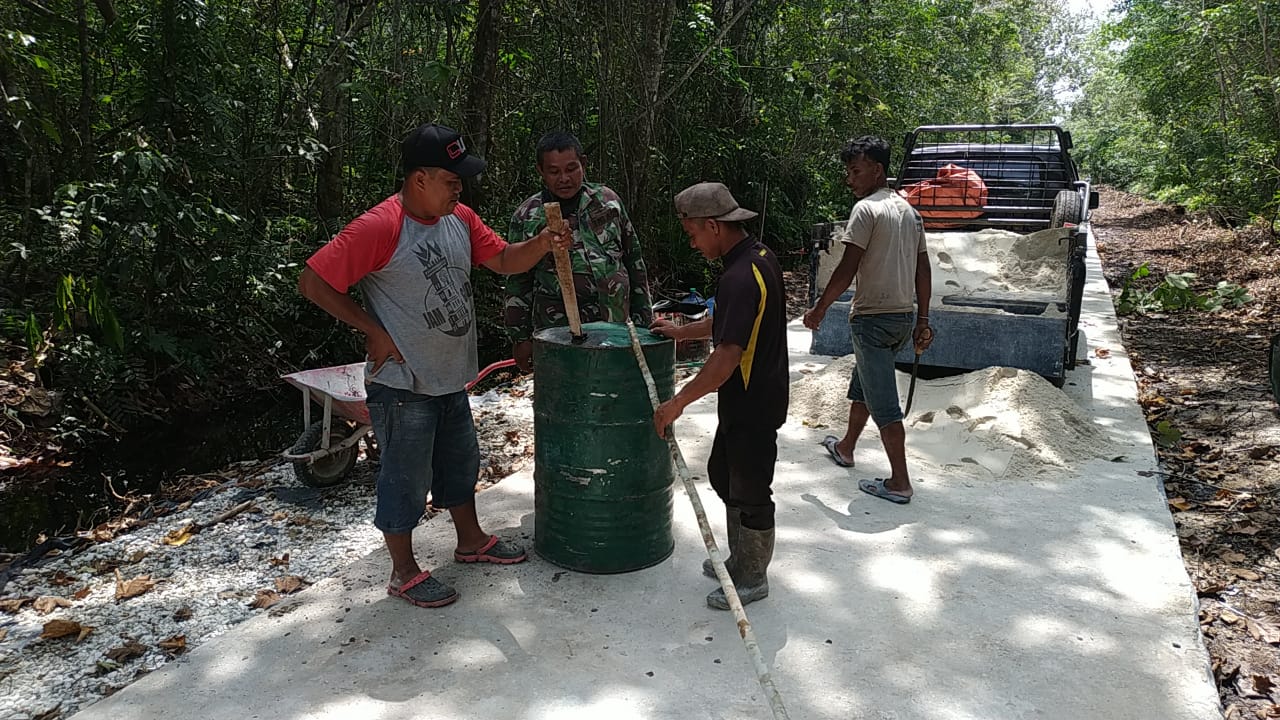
{"points": [[998, 261], [984, 262], [1010, 422]]}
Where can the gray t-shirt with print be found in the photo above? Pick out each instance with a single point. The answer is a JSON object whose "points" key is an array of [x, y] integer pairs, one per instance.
{"points": [[422, 297]]}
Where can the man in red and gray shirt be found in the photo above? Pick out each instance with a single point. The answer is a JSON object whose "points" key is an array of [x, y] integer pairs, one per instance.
{"points": [[411, 256]]}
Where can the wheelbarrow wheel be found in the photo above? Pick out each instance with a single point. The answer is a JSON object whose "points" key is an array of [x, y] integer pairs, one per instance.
{"points": [[327, 471]]}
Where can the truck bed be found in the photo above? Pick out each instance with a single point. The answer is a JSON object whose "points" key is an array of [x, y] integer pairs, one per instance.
{"points": [[1007, 282]]}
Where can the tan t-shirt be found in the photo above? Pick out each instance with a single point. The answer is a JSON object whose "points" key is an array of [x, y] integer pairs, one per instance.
{"points": [[891, 233]]}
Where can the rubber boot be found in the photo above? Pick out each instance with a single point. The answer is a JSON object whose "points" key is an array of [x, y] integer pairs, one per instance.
{"points": [[733, 520], [752, 553]]}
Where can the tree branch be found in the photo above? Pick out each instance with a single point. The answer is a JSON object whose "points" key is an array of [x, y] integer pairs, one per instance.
{"points": [[45, 12], [330, 63], [724, 31]]}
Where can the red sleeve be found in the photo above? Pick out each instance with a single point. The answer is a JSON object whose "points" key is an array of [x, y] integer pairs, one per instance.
{"points": [[365, 245], [485, 243]]}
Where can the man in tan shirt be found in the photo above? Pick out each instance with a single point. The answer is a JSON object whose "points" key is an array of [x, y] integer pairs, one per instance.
{"points": [[885, 250]]}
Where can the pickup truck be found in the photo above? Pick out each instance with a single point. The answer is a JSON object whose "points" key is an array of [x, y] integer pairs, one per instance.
{"points": [[1008, 298]]}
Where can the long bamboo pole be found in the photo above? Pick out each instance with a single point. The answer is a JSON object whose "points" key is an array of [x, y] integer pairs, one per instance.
{"points": [[730, 592]]}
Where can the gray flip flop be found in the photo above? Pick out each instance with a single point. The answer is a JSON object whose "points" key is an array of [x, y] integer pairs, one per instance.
{"points": [[876, 487], [829, 442]]}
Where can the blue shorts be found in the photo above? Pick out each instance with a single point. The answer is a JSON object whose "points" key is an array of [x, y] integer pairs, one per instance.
{"points": [[427, 443], [876, 340]]}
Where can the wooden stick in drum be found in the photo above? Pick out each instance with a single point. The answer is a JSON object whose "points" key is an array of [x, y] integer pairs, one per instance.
{"points": [[564, 271]]}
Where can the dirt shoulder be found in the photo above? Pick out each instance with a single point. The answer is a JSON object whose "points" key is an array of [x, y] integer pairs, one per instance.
{"points": [[1202, 384]]}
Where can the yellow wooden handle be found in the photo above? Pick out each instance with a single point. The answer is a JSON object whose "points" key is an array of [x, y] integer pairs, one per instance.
{"points": [[564, 270]]}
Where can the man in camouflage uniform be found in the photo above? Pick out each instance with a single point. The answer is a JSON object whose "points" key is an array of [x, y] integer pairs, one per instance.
{"points": [[609, 276]]}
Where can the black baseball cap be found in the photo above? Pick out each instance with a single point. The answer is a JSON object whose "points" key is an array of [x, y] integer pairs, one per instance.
{"points": [[438, 146]]}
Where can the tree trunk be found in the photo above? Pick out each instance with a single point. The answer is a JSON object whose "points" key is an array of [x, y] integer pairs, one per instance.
{"points": [[633, 45], [87, 151], [85, 121], [478, 110], [396, 112], [1269, 61], [332, 119]]}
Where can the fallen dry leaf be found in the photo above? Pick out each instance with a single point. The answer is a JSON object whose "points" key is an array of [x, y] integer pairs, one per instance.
{"points": [[133, 587], [1179, 504], [180, 537], [1245, 574], [46, 604], [55, 629], [513, 436], [1232, 556], [1261, 452], [265, 599], [62, 579], [13, 605], [279, 515], [174, 645], [1263, 630], [1229, 617], [102, 566], [1102, 353], [290, 584], [128, 651], [4, 633], [1246, 528], [1255, 686], [182, 613], [81, 594], [283, 560], [101, 534]]}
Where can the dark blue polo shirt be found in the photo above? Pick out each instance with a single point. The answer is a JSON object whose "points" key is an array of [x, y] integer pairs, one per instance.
{"points": [[750, 312]]}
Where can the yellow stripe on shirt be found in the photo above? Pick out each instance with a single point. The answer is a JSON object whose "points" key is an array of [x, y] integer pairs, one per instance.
{"points": [[749, 355]]}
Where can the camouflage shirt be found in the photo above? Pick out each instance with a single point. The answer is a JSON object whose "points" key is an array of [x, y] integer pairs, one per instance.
{"points": [[608, 269]]}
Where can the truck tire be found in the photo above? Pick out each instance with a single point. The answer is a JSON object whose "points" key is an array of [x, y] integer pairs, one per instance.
{"points": [[1068, 209], [328, 471]]}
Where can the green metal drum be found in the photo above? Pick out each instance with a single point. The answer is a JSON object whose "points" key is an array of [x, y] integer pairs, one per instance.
{"points": [[602, 476]]}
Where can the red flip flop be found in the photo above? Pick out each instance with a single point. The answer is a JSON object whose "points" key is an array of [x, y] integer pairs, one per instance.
{"points": [[493, 551], [424, 591]]}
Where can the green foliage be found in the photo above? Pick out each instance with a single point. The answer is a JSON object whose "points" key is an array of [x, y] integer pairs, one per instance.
{"points": [[163, 185], [78, 299], [1181, 102], [1175, 292], [1167, 435]]}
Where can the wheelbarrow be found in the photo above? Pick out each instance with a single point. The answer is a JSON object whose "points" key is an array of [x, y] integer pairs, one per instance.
{"points": [[327, 449]]}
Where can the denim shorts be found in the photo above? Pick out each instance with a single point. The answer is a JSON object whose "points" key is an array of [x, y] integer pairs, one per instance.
{"points": [[876, 340], [427, 443]]}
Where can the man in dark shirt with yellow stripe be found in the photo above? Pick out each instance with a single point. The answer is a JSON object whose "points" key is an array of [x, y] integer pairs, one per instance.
{"points": [[749, 370]]}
